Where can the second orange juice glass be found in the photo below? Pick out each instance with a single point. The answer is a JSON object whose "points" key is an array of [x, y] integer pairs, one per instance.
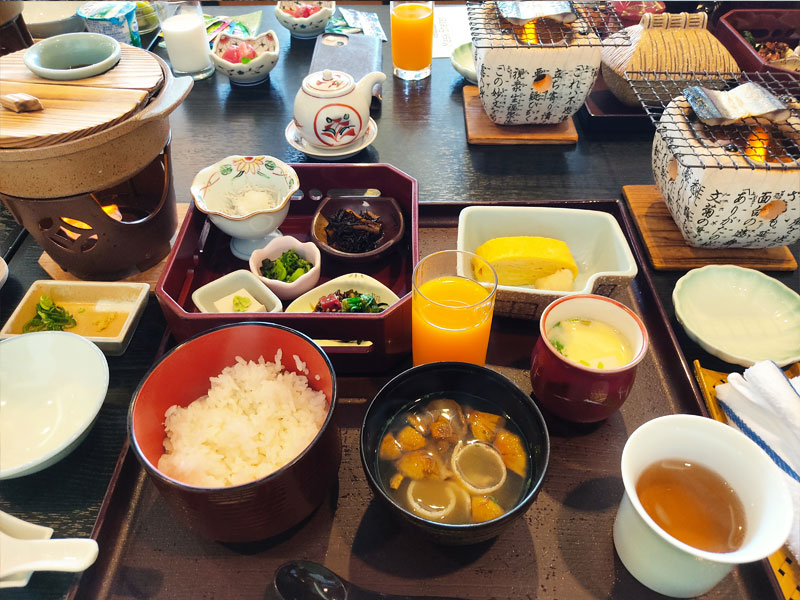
{"points": [[412, 39], [451, 314]]}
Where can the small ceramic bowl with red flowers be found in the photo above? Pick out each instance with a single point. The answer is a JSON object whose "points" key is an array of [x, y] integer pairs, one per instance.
{"points": [[246, 60], [304, 19]]}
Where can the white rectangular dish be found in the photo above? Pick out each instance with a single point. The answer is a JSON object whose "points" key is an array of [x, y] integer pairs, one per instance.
{"points": [[95, 302]]}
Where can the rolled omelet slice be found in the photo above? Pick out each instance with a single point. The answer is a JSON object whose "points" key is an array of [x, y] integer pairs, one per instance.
{"points": [[545, 263]]}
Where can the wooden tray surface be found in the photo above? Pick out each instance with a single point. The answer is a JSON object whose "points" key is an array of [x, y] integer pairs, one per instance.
{"points": [[150, 276], [74, 109], [668, 251], [482, 131], [784, 566], [561, 548]]}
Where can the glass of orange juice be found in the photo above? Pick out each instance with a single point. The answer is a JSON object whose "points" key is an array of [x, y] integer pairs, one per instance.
{"points": [[412, 39], [451, 311]]}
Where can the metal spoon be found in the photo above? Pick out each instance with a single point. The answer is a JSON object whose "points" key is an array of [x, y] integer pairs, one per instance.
{"points": [[20, 555], [307, 580]]}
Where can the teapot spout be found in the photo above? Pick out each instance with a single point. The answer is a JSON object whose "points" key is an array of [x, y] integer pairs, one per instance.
{"points": [[368, 82]]}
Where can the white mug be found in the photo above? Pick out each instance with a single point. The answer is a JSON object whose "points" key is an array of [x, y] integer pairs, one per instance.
{"points": [[667, 565]]}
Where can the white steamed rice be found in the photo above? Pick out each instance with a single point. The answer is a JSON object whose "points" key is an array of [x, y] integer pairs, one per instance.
{"points": [[256, 418]]}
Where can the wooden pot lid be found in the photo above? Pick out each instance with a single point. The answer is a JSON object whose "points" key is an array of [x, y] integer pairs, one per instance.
{"points": [[74, 109]]}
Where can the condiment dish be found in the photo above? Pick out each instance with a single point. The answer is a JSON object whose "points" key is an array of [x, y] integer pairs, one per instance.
{"points": [[463, 62], [229, 181], [500, 395], [248, 71], [52, 386], [739, 315], [106, 313], [304, 27], [273, 251], [363, 284], [386, 209], [206, 296], [264, 507], [72, 56], [595, 240]]}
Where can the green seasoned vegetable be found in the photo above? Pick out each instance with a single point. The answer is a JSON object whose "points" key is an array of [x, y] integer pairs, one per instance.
{"points": [[289, 267], [49, 317], [558, 345], [241, 303]]}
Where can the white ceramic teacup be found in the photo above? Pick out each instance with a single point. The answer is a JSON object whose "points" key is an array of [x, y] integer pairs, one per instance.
{"points": [[667, 565]]}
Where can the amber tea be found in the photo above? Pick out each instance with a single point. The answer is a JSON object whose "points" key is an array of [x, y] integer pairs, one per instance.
{"points": [[693, 504]]}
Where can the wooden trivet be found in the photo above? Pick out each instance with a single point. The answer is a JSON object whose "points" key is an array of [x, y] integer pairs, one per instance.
{"points": [[481, 130], [783, 564], [668, 250], [150, 276]]}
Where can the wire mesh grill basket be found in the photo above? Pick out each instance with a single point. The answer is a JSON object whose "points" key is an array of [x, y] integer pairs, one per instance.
{"points": [[754, 143], [595, 23]]}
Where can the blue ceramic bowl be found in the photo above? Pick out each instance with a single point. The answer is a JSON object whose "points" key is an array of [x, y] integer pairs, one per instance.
{"points": [[73, 56]]}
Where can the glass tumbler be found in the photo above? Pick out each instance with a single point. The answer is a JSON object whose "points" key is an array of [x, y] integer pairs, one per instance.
{"points": [[184, 30], [451, 310], [412, 39]]}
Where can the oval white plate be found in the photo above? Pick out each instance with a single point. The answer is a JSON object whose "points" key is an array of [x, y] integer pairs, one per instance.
{"points": [[353, 281], [739, 315]]}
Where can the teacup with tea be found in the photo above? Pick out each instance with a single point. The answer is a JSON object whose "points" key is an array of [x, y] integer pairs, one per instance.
{"points": [[700, 498]]}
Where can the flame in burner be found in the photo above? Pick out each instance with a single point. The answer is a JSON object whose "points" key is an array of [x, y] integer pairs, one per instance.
{"points": [[112, 210], [761, 148], [527, 33]]}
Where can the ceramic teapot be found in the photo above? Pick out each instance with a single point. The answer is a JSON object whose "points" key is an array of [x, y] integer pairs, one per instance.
{"points": [[331, 110]]}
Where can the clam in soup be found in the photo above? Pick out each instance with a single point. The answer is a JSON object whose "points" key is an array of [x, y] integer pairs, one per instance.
{"points": [[445, 460]]}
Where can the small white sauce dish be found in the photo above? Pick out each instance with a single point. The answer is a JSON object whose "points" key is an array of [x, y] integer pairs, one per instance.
{"points": [[739, 315], [72, 56], [52, 386], [463, 62], [595, 240], [363, 284], [235, 176], [204, 297], [304, 27], [257, 69], [273, 251]]}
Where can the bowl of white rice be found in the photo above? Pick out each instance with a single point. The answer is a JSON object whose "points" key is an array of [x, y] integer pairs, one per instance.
{"points": [[235, 428], [247, 197]]}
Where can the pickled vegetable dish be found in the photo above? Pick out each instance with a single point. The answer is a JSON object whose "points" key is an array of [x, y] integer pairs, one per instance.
{"points": [[453, 459]]}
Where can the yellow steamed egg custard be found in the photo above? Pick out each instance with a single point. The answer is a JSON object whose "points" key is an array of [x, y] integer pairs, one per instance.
{"points": [[591, 343]]}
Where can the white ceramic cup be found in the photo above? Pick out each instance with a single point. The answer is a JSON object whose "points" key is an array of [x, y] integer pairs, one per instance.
{"points": [[672, 567]]}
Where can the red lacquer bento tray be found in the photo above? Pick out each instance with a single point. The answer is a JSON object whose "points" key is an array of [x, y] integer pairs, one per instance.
{"points": [[377, 341]]}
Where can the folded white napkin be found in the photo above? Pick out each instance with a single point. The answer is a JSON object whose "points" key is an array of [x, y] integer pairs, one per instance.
{"points": [[765, 405]]}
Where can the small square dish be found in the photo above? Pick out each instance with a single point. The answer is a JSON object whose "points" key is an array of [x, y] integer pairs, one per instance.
{"points": [[105, 313], [599, 248], [237, 292]]}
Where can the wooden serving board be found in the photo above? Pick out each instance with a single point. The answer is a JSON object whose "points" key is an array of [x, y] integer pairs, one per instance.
{"points": [[668, 250], [483, 131], [150, 276], [784, 566], [74, 109]]}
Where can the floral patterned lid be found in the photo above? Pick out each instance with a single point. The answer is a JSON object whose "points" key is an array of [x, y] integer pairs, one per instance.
{"points": [[328, 84]]}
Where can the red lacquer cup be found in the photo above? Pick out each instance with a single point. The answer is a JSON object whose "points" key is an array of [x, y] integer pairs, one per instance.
{"points": [[576, 392]]}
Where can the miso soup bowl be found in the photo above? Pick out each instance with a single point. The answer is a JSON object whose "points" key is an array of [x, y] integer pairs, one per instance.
{"points": [[448, 377], [576, 392], [264, 507], [664, 563]]}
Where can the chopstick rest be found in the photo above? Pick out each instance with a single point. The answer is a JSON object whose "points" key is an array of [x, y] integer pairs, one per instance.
{"points": [[765, 405], [21, 102]]}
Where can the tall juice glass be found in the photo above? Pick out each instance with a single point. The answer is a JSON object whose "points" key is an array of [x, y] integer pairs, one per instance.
{"points": [[412, 39], [451, 313]]}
